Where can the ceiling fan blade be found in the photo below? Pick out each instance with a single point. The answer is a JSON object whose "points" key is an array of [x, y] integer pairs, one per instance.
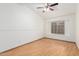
{"points": [[40, 7], [53, 4], [51, 9]]}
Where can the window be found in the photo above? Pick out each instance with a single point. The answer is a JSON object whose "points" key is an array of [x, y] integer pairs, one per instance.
{"points": [[57, 27]]}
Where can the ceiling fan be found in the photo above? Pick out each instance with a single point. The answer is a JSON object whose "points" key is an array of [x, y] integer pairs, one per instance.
{"points": [[48, 6]]}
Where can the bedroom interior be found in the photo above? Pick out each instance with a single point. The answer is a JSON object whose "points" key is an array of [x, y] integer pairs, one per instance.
{"points": [[39, 29]]}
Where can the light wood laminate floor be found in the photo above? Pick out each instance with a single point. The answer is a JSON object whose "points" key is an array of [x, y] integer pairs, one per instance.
{"points": [[44, 47]]}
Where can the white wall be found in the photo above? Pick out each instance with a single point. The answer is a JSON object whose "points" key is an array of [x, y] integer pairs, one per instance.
{"points": [[77, 26], [69, 27], [18, 25]]}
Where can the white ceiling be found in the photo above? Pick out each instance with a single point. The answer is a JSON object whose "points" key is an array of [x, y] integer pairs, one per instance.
{"points": [[61, 9]]}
